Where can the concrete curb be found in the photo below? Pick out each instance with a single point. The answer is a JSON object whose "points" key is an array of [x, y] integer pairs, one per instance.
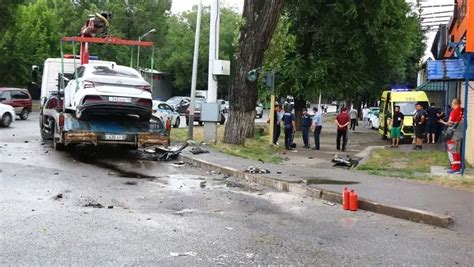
{"points": [[302, 189]]}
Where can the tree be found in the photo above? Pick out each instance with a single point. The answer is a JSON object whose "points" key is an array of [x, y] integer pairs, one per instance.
{"points": [[260, 19]]}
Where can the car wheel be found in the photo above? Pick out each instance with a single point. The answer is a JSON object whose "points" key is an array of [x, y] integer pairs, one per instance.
{"points": [[56, 145], [44, 134], [24, 114], [6, 119], [177, 123], [201, 123]]}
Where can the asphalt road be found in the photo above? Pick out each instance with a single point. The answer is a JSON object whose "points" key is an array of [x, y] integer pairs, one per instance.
{"points": [[170, 214]]}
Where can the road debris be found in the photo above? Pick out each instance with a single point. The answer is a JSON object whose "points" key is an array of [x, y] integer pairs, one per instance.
{"points": [[183, 254], [110, 207], [167, 154], [202, 184], [58, 197], [198, 150], [253, 169], [329, 203], [94, 205], [229, 228], [344, 161], [130, 183]]}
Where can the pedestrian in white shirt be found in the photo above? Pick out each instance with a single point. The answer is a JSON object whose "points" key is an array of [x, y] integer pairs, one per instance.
{"points": [[365, 116]]}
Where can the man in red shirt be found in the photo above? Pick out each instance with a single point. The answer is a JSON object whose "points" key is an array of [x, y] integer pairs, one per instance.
{"points": [[342, 121], [454, 135]]}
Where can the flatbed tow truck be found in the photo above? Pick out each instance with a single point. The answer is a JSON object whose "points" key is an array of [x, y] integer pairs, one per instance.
{"points": [[65, 130]]}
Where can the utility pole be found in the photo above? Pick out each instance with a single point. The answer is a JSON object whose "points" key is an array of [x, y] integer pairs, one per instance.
{"points": [[210, 128], [271, 83], [194, 75]]}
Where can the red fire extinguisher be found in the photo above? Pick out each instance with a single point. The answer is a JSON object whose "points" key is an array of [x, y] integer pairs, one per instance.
{"points": [[353, 200], [345, 198]]}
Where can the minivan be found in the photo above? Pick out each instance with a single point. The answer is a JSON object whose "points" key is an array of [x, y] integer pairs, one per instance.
{"points": [[19, 99]]}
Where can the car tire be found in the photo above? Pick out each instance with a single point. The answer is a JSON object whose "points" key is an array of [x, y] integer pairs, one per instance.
{"points": [[177, 123], [6, 120], [44, 135], [24, 114], [201, 123]]}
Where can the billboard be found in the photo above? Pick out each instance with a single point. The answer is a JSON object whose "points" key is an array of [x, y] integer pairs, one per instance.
{"points": [[449, 69]]}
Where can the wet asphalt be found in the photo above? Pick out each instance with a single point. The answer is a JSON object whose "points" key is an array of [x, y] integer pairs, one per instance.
{"points": [[113, 207]]}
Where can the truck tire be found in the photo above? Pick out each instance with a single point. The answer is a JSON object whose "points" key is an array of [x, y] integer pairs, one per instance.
{"points": [[44, 134], [56, 145], [177, 123], [6, 120], [24, 114]]}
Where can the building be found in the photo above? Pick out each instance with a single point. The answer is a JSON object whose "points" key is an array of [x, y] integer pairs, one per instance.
{"points": [[456, 40]]}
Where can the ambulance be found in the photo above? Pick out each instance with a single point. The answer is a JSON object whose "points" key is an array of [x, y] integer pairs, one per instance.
{"points": [[406, 99]]}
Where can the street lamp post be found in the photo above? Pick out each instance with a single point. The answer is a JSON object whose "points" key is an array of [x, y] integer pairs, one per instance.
{"points": [[140, 39]]}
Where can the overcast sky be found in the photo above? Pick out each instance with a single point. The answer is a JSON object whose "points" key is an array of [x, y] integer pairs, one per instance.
{"points": [[184, 5]]}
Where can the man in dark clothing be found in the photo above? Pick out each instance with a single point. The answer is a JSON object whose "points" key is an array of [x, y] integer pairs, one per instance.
{"points": [[276, 120], [419, 121], [342, 121], [289, 124], [434, 114], [305, 125], [397, 125]]}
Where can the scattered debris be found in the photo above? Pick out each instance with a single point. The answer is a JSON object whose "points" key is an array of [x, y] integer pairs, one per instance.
{"points": [[202, 184], [148, 219], [198, 150], [329, 203], [253, 169], [130, 183], [167, 154], [56, 173], [25, 141], [278, 172], [229, 228], [310, 157], [94, 205], [183, 254], [344, 161], [58, 197], [179, 163], [110, 207]]}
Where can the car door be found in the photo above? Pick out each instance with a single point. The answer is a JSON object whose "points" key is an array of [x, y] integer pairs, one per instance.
{"points": [[20, 100], [7, 95]]}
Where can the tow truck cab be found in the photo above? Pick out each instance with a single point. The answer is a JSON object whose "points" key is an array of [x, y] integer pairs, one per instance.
{"points": [[406, 100]]}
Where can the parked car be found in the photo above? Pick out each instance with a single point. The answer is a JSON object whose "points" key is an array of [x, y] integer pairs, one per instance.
{"points": [[7, 115], [108, 89], [259, 109], [179, 103], [165, 111], [197, 113], [19, 99]]}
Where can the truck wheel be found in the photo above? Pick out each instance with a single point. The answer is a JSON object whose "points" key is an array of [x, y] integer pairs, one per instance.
{"points": [[24, 114], [177, 123], [56, 145], [44, 134], [6, 120]]}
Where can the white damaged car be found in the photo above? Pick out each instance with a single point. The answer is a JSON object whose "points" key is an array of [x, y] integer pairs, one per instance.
{"points": [[108, 89]]}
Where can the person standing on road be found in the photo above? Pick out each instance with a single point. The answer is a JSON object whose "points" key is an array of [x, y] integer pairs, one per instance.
{"points": [[290, 127], [397, 125], [305, 126], [419, 120], [277, 116], [454, 136], [317, 126], [342, 122], [353, 115], [365, 116], [434, 114]]}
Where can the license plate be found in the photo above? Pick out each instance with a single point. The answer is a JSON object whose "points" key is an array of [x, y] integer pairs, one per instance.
{"points": [[115, 137], [120, 99]]}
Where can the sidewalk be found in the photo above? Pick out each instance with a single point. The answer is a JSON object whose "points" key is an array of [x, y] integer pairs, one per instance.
{"points": [[391, 191]]}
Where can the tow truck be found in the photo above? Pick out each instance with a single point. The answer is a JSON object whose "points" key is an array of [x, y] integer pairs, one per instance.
{"points": [[63, 128]]}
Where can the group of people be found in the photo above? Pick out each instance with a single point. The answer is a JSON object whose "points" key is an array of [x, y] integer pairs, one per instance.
{"points": [[287, 118]]}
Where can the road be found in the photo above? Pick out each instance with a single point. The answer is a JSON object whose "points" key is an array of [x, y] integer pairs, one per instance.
{"points": [[169, 214]]}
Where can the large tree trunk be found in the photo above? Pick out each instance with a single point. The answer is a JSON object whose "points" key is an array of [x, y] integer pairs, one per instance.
{"points": [[260, 18]]}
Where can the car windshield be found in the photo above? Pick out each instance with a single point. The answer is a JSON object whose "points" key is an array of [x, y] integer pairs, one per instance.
{"points": [[408, 108], [107, 71]]}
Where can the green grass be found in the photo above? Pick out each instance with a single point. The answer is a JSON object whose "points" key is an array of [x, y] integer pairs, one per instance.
{"points": [[414, 165], [257, 148]]}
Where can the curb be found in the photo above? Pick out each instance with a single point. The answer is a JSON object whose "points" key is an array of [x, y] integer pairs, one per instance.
{"points": [[302, 189]]}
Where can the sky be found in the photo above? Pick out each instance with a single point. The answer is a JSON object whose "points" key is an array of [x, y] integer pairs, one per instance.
{"points": [[185, 5]]}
